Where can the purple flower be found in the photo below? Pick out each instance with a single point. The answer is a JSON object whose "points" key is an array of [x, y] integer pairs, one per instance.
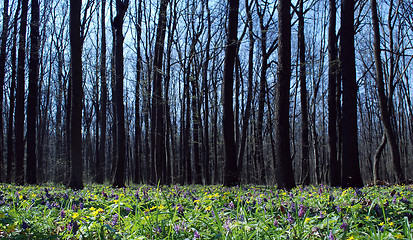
{"points": [[62, 214], [73, 227], [25, 225], [290, 218], [344, 226], [115, 219], [180, 210], [231, 205], [301, 211], [331, 236], [275, 223], [196, 234]]}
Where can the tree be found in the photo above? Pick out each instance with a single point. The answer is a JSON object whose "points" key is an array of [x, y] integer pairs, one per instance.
{"points": [[157, 97], [285, 176], [100, 163], [19, 116], [32, 97], [335, 170], [351, 176], [76, 176], [231, 176], [385, 113], [3, 55], [119, 180], [303, 97]]}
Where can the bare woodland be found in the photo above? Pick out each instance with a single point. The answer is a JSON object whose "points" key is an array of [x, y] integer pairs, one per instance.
{"points": [[206, 92]]}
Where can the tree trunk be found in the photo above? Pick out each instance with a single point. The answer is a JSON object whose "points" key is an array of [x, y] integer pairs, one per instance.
{"points": [[76, 177], [335, 168], [351, 170], [138, 129], [19, 116], [119, 179], [231, 167], [100, 161], [32, 97], [157, 98], [303, 97], [3, 56], [385, 107], [285, 175]]}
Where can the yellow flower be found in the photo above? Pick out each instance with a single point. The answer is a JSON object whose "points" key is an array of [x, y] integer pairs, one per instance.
{"points": [[20, 197], [208, 208], [196, 201], [92, 209], [350, 238], [399, 236], [75, 215], [307, 219], [391, 223], [381, 224], [367, 217]]}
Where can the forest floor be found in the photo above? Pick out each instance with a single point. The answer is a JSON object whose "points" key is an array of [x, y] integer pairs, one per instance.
{"points": [[205, 212]]}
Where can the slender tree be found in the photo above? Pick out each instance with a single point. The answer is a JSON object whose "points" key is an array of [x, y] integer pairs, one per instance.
{"points": [[76, 176], [351, 176], [119, 180], [3, 54], [157, 96], [285, 176], [138, 129], [385, 113], [231, 175], [19, 116], [335, 170], [100, 163], [32, 97], [305, 162]]}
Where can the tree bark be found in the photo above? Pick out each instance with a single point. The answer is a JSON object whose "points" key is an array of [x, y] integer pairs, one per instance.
{"points": [[385, 107], [19, 116], [3, 56], [285, 175], [158, 116], [303, 97], [335, 168], [32, 97], [351, 169], [231, 167], [119, 179]]}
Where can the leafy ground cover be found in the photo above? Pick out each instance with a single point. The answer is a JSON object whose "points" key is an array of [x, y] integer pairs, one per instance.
{"points": [[205, 212]]}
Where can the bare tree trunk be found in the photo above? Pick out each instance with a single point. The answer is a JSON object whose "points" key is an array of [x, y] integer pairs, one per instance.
{"points": [[3, 56], [19, 116], [285, 176], [119, 179], [100, 163], [303, 96], [351, 170], [385, 107], [76, 177], [32, 97], [231, 167], [335, 168], [158, 116]]}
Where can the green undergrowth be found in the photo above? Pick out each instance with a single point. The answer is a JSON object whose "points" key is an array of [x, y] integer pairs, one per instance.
{"points": [[205, 212]]}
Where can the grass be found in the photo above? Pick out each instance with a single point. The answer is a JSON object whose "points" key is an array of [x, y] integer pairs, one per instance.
{"points": [[205, 212]]}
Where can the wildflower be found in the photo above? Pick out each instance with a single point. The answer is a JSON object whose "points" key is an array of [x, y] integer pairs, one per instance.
{"points": [[331, 236], [275, 223], [196, 234], [399, 236], [24, 225], [350, 238], [391, 223], [75, 215], [115, 219], [301, 211], [73, 227], [290, 219], [62, 214], [344, 225], [231, 205]]}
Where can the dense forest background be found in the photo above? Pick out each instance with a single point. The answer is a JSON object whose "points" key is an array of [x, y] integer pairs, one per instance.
{"points": [[145, 92]]}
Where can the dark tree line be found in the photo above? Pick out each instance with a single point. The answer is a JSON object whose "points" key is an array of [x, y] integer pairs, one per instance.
{"points": [[193, 92]]}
